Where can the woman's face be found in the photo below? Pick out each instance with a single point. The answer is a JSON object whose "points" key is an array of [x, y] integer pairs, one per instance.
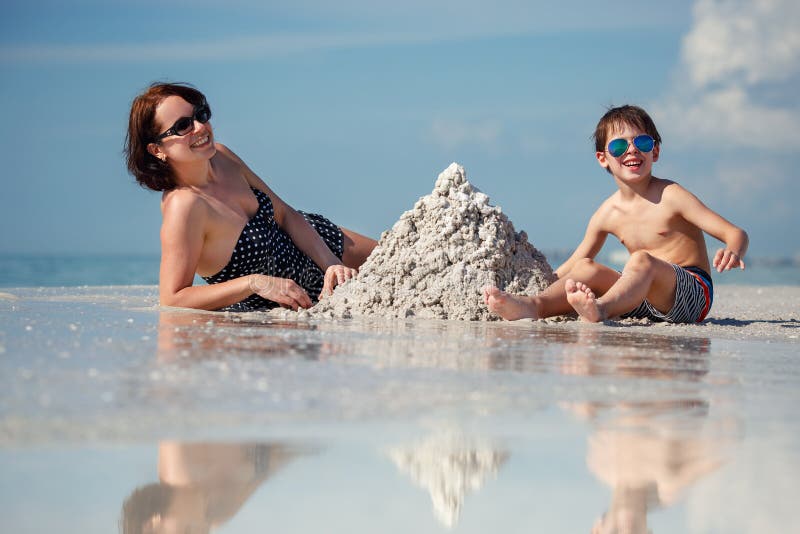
{"points": [[196, 145]]}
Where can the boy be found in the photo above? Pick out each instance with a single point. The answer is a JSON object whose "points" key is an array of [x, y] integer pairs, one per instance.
{"points": [[658, 221]]}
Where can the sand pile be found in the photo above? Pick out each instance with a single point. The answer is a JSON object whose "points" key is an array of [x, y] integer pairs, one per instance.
{"points": [[436, 259]]}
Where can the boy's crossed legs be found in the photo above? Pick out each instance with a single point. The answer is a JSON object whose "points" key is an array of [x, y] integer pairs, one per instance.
{"points": [[644, 277]]}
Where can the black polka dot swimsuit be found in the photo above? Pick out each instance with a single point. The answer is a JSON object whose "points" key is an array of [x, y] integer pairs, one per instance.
{"points": [[264, 248]]}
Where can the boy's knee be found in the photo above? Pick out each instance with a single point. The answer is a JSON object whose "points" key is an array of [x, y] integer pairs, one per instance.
{"points": [[587, 269], [640, 260]]}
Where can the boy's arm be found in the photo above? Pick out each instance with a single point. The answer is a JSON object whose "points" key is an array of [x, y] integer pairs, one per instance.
{"points": [[736, 241], [593, 241]]}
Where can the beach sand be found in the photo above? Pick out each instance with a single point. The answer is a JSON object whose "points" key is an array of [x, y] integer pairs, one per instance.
{"points": [[738, 312]]}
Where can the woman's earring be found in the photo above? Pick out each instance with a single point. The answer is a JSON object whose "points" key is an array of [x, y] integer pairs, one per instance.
{"points": [[163, 158]]}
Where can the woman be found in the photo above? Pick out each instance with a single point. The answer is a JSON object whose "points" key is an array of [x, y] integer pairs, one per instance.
{"points": [[222, 222]]}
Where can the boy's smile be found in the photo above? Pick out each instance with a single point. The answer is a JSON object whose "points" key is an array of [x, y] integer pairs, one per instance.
{"points": [[633, 163]]}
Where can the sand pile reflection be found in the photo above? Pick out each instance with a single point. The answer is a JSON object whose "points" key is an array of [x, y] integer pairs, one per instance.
{"points": [[449, 465]]}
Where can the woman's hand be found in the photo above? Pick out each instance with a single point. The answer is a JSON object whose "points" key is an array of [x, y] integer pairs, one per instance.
{"points": [[335, 275], [281, 290]]}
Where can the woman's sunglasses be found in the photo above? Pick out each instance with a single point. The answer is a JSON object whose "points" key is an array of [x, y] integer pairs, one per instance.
{"points": [[618, 147], [184, 125]]}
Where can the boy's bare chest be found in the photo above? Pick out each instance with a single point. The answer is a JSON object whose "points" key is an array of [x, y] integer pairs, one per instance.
{"points": [[646, 229]]}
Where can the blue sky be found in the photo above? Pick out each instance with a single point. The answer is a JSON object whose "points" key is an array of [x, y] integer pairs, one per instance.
{"points": [[352, 108]]}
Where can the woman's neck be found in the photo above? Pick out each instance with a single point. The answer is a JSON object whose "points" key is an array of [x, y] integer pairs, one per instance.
{"points": [[196, 174]]}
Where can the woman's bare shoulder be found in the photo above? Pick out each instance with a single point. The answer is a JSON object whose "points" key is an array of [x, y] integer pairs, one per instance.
{"points": [[183, 202]]}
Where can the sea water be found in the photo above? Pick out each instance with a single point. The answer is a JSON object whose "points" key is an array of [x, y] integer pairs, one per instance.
{"points": [[34, 270], [119, 415]]}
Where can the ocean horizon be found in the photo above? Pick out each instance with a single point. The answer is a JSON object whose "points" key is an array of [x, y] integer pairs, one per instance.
{"points": [[67, 270]]}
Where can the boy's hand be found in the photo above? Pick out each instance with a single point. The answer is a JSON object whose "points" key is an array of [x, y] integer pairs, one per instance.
{"points": [[726, 259]]}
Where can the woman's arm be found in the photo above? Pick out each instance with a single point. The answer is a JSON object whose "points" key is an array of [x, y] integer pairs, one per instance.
{"points": [[302, 233], [182, 238]]}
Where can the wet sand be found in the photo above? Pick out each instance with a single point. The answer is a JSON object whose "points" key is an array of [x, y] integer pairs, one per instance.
{"points": [[72, 354], [430, 424]]}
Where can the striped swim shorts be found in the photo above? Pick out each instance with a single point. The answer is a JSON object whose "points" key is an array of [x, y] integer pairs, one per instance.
{"points": [[694, 293]]}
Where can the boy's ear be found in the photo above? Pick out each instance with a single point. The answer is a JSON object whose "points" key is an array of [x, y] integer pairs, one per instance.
{"points": [[601, 159], [656, 152]]}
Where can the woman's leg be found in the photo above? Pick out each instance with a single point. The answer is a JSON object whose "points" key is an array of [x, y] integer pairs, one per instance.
{"points": [[356, 248]]}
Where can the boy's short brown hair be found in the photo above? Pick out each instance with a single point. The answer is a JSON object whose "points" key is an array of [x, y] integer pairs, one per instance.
{"points": [[624, 116]]}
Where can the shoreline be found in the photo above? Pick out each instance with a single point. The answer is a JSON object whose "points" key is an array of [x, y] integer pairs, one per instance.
{"points": [[739, 312]]}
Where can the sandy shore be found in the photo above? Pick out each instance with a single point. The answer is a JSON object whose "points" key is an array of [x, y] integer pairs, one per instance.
{"points": [[741, 312], [738, 312]]}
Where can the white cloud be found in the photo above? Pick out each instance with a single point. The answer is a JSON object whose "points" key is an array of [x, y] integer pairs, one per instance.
{"points": [[734, 86], [452, 134], [745, 40]]}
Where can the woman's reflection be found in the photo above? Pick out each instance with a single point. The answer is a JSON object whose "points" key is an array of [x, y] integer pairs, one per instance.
{"points": [[201, 335], [201, 485]]}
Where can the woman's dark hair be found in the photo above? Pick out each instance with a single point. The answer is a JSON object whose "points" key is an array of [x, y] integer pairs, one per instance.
{"points": [[148, 170], [143, 505]]}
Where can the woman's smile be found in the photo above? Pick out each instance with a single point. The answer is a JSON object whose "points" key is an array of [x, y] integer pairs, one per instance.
{"points": [[202, 142]]}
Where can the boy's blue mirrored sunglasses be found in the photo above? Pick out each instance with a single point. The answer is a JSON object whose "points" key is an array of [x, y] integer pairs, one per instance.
{"points": [[184, 125], [618, 147]]}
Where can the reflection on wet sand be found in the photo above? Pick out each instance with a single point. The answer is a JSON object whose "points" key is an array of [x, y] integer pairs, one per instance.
{"points": [[644, 396], [497, 347], [646, 471], [449, 465], [201, 485], [193, 335], [649, 451]]}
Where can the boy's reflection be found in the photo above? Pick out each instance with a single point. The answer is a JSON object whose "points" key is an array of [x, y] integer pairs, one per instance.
{"points": [[647, 449], [646, 471], [201, 485]]}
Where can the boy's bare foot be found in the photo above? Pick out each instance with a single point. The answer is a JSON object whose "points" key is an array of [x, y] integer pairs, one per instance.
{"points": [[509, 307], [582, 298]]}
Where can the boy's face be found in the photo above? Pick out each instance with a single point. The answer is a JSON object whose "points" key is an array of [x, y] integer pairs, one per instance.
{"points": [[633, 164]]}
